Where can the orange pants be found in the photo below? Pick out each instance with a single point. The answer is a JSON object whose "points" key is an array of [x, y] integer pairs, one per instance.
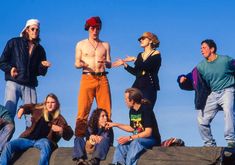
{"points": [[91, 87]]}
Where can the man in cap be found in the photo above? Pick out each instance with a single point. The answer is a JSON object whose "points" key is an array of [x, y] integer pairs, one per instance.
{"points": [[93, 57], [22, 60]]}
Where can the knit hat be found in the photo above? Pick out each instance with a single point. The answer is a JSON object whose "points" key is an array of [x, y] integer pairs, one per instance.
{"points": [[152, 37], [30, 22], [93, 21]]}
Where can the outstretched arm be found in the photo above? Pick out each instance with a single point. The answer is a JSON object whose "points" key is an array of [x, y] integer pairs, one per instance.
{"points": [[185, 82], [123, 127]]}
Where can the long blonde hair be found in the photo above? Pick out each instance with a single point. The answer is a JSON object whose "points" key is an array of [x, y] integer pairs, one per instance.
{"points": [[56, 112]]}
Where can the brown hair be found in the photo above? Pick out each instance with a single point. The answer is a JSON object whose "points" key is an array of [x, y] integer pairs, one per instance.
{"points": [[26, 35], [137, 96], [93, 122]]}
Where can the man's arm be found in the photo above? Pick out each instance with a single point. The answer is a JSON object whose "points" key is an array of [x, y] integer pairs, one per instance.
{"points": [[5, 58], [124, 127], [146, 133], [78, 57]]}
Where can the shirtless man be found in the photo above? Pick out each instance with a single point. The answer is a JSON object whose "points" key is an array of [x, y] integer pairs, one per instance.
{"points": [[92, 56]]}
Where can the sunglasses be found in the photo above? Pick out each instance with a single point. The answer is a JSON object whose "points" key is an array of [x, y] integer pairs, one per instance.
{"points": [[142, 38], [34, 29]]}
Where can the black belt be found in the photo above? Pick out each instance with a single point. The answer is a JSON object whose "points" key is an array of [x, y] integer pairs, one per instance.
{"points": [[96, 73]]}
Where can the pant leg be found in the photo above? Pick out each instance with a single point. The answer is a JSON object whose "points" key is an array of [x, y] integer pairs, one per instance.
{"points": [[79, 148], [29, 95], [102, 148], [103, 95], [44, 145], [204, 119], [12, 95], [227, 103], [137, 147], [120, 153], [85, 99], [13, 146], [6, 133]]}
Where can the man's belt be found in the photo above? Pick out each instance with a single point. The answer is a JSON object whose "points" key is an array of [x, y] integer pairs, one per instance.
{"points": [[95, 73]]}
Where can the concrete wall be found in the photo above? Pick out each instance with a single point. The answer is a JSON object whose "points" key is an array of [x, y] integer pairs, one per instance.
{"points": [[156, 156]]}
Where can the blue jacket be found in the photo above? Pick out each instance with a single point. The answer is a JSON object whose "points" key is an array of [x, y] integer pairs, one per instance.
{"points": [[195, 82], [16, 54]]}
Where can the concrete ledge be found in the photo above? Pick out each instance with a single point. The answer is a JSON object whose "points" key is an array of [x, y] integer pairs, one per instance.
{"points": [[156, 156]]}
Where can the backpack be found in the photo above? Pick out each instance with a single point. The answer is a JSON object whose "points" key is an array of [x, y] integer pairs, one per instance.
{"points": [[172, 142]]}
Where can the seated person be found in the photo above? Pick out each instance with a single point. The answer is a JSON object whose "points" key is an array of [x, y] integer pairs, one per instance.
{"points": [[48, 126], [143, 125], [98, 140], [7, 127]]}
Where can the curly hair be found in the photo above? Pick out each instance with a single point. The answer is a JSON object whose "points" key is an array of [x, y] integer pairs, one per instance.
{"points": [[93, 122]]}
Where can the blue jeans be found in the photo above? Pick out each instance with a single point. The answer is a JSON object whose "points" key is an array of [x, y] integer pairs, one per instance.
{"points": [[130, 152], [13, 92], [101, 149], [21, 144], [223, 99], [6, 132]]}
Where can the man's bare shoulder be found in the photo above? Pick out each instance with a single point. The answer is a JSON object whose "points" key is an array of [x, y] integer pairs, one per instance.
{"points": [[105, 44], [82, 42]]}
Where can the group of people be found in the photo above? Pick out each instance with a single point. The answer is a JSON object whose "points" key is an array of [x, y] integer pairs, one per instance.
{"points": [[24, 59]]}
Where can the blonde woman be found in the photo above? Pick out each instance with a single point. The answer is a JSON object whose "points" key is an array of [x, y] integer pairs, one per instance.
{"points": [[48, 126]]}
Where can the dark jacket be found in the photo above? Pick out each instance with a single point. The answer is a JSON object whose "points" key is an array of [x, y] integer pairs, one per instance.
{"points": [[146, 72], [37, 114], [16, 54], [5, 116], [195, 82]]}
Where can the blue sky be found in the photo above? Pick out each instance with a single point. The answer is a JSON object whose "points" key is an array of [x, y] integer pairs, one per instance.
{"points": [[180, 24]]}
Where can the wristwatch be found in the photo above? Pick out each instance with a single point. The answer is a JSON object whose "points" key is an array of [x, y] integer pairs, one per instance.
{"points": [[130, 138]]}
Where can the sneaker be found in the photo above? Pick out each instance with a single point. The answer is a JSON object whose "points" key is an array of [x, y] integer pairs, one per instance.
{"points": [[80, 162], [93, 161], [231, 144]]}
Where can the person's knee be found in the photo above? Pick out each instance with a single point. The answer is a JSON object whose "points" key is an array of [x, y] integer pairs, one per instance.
{"points": [[80, 129], [203, 120]]}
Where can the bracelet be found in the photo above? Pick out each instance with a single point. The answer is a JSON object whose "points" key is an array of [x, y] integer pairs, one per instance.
{"points": [[130, 138]]}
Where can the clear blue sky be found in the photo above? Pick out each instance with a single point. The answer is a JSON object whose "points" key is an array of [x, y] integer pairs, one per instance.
{"points": [[180, 24]]}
